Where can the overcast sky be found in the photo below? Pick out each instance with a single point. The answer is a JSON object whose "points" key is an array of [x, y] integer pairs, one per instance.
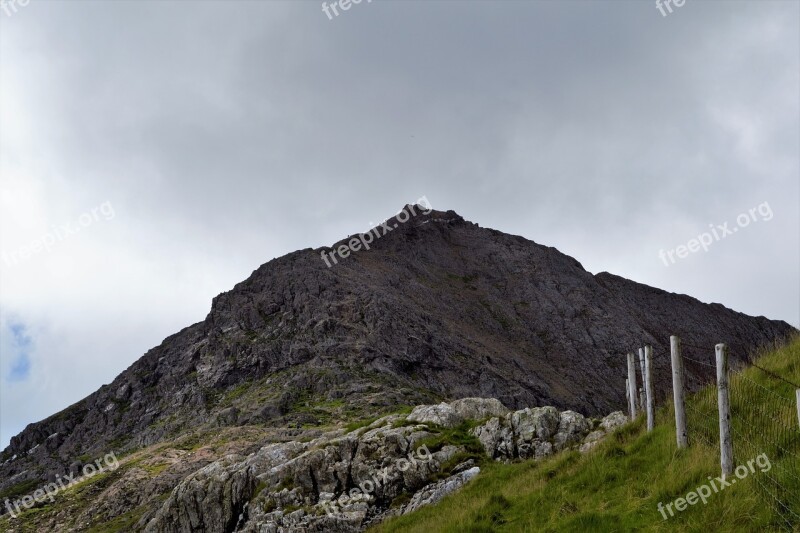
{"points": [[158, 152]]}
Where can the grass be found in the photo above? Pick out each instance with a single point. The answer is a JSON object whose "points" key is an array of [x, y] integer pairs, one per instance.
{"points": [[123, 522], [358, 424], [20, 489], [619, 485]]}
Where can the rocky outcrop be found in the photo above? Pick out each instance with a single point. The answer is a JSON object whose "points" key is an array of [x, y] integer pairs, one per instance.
{"points": [[342, 482], [541, 431]]}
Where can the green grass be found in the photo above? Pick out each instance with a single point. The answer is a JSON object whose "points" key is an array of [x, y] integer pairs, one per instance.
{"points": [[618, 486], [123, 522], [20, 489]]}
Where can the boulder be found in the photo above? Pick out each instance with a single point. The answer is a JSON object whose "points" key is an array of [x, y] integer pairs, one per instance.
{"points": [[478, 408], [613, 421], [572, 427], [442, 415]]}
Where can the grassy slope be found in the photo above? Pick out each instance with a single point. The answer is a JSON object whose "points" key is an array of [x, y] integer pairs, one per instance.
{"points": [[618, 486]]}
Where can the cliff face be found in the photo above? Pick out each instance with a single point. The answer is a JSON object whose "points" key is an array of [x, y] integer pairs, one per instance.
{"points": [[437, 308]]}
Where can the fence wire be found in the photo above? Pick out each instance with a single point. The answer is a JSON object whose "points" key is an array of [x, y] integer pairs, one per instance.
{"points": [[764, 422], [702, 415]]}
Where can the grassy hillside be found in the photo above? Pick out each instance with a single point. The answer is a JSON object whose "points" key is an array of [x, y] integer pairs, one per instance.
{"points": [[619, 485]]}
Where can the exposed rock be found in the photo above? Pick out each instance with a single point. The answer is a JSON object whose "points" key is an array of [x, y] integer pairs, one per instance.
{"points": [[346, 481], [531, 433], [607, 425], [124, 392], [479, 408], [572, 427], [613, 421], [592, 439], [442, 415], [434, 493], [450, 415]]}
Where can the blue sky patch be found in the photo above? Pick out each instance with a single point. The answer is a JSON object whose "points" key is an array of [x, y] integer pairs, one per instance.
{"points": [[21, 345]]}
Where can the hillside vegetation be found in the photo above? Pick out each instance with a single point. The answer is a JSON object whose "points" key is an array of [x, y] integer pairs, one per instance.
{"points": [[618, 486]]}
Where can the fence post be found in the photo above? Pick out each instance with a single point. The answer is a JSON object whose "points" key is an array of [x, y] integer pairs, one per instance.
{"points": [[632, 386], [725, 443], [798, 405], [627, 393], [641, 389], [648, 389], [678, 391]]}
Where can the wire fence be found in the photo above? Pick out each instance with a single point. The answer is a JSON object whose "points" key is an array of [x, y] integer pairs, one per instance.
{"points": [[752, 404], [763, 423], [702, 413]]}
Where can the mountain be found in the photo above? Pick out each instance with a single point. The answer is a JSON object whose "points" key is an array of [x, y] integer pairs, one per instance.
{"points": [[436, 309]]}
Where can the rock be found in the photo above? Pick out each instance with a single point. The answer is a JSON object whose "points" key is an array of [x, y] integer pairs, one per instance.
{"points": [[434, 493], [478, 408], [492, 436], [613, 421], [533, 428], [123, 393], [572, 427], [607, 425], [227, 417], [75, 468], [535, 423], [592, 440], [531, 433], [442, 415], [450, 415]]}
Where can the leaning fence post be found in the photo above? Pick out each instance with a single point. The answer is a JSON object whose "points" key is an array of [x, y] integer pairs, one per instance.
{"points": [[648, 389], [678, 391], [631, 386], [725, 443]]}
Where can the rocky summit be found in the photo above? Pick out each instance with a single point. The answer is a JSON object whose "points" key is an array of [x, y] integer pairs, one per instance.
{"points": [[248, 420]]}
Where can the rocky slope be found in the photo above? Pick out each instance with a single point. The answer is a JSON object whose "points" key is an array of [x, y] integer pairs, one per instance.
{"points": [[337, 481], [343, 482], [438, 308]]}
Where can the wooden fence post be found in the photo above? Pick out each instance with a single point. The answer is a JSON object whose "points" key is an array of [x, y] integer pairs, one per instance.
{"points": [[725, 443], [641, 389], [798, 405], [627, 393], [678, 391], [648, 389], [631, 386]]}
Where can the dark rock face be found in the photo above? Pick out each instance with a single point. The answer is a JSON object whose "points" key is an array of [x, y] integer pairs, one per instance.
{"points": [[438, 308]]}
